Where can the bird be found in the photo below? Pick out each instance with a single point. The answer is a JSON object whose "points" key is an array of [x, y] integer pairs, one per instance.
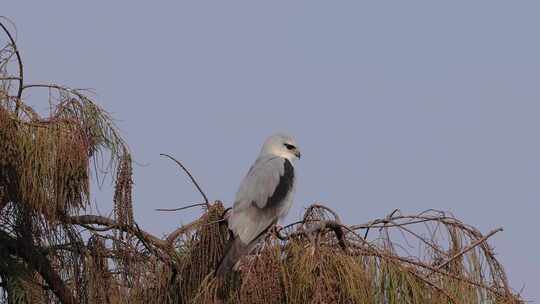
{"points": [[264, 197]]}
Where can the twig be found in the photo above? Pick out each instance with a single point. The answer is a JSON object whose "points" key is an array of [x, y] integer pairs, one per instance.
{"points": [[422, 240], [50, 86], [174, 235], [85, 220], [19, 60], [141, 236], [419, 219], [467, 249], [385, 221], [373, 252], [292, 224], [182, 208], [10, 78], [215, 222], [191, 177], [318, 226], [319, 206]]}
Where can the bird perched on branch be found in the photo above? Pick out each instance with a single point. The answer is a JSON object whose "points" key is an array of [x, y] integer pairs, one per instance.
{"points": [[265, 196]]}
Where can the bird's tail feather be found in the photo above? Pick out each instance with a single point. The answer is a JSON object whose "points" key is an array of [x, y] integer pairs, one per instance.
{"points": [[237, 249], [234, 251]]}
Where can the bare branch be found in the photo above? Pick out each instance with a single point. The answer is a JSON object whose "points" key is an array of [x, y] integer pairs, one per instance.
{"points": [[319, 206], [104, 221], [316, 227], [182, 208], [467, 249], [191, 177], [182, 229]]}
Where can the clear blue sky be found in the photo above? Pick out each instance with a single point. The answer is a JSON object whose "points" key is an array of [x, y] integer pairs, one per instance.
{"points": [[406, 104]]}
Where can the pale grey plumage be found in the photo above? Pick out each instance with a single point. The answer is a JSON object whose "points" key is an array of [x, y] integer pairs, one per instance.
{"points": [[265, 195]]}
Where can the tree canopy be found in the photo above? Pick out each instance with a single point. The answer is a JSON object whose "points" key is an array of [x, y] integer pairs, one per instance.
{"points": [[53, 250]]}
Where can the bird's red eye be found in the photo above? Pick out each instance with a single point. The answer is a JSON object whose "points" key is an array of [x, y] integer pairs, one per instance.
{"points": [[290, 147]]}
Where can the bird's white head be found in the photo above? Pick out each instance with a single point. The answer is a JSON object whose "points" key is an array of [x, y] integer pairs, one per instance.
{"points": [[282, 145]]}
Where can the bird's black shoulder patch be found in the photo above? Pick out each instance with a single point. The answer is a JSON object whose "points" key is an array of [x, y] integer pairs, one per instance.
{"points": [[284, 186]]}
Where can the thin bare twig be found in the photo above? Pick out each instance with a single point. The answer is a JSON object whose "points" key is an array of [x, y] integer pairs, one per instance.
{"points": [[370, 251], [467, 249], [10, 78], [319, 206], [182, 208], [19, 60], [207, 202], [176, 233], [315, 227], [50, 86]]}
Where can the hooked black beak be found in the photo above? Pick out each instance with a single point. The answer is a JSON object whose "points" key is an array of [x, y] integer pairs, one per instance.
{"points": [[297, 153]]}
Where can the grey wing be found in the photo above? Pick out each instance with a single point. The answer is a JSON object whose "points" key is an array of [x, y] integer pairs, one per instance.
{"points": [[252, 214], [261, 181]]}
